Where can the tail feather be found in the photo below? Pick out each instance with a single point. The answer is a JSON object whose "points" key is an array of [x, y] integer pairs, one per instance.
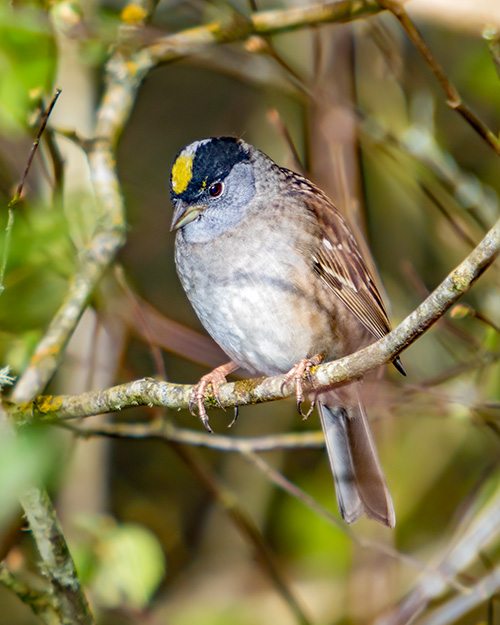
{"points": [[359, 478]]}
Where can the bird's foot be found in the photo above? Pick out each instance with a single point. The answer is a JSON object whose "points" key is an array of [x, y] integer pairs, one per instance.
{"points": [[298, 372], [214, 379]]}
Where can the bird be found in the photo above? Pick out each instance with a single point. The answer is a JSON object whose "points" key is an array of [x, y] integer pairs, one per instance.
{"points": [[277, 279]]}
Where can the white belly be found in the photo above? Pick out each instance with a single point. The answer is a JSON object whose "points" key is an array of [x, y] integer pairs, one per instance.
{"points": [[261, 306], [260, 332]]}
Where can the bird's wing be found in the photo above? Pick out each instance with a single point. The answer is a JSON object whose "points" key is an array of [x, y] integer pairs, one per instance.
{"points": [[338, 261]]}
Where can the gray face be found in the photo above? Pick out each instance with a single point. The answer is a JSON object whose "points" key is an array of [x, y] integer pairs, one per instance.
{"points": [[225, 211]]}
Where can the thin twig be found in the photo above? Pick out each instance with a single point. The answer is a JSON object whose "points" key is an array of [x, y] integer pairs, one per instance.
{"points": [[281, 482], [246, 526], [275, 118], [454, 100], [165, 430], [479, 533], [492, 36], [249, 447], [15, 200], [34, 148], [42, 604], [457, 607]]}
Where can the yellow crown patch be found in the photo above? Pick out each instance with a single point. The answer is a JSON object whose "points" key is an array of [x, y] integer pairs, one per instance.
{"points": [[182, 172]]}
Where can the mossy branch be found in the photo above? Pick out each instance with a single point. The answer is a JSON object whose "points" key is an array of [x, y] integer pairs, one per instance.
{"points": [[42, 604], [176, 396], [239, 27]]}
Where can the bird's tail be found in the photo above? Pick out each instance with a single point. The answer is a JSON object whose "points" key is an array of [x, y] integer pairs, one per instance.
{"points": [[359, 479]]}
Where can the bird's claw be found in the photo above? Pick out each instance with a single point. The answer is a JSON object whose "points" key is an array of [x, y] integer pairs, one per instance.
{"points": [[305, 415], [214, 379], [298, 372], [235, 417], [196, 399]]}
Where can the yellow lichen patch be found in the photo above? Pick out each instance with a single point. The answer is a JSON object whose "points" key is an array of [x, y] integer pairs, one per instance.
{"points": [[182, 172], [133, 15], [48, 404], [48, 352], [23, 411]]}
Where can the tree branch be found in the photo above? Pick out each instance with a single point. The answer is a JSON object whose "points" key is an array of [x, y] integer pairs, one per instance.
{"points": [[154, 393], [250, 447], [167, 431], [42, 604], [454, 100], [70, 601], [246, 526], [478, 535], [457, 607], [239, 27]]}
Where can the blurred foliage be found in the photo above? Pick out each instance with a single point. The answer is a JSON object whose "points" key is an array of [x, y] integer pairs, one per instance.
{"points": [[27, 64], [423, 187], [30, 458], [121, 564], [38, 276]]}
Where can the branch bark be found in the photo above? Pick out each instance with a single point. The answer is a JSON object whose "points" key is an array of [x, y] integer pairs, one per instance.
{"points": [[41, 604], [477, 536], [149, 392], [453, 98]]}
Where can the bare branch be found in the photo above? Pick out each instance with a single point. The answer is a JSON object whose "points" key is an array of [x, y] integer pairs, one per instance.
{"points": [[72, 606], [15, 200], [454, 100], [42, 604], [167, 431], [248, 529], [251, 447], [155, 393], [365, 543], [478, 535], [457, 607], [239, 28], [44, 119]]}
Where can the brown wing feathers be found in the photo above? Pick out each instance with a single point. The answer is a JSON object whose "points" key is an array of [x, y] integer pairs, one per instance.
{"points": [[339, 262]]}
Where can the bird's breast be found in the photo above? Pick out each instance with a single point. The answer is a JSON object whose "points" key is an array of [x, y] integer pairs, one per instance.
{"points": [[259, 304]]}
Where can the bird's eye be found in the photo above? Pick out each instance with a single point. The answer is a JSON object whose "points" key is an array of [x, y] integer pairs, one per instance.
{"points": [[215, 189]]}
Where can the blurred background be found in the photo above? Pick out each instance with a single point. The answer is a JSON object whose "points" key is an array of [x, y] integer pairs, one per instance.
{"points": [[164, 533]]}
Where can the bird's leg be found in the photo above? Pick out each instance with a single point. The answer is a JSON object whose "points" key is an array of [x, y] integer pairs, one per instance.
{"points": [[298, 372], [213, 379]]}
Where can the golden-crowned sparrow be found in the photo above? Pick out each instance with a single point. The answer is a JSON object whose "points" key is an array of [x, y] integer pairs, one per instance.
{"points": [[277, 279]]}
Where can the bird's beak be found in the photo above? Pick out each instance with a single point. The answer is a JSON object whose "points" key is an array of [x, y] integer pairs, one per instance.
{"points": [[185, 214]]}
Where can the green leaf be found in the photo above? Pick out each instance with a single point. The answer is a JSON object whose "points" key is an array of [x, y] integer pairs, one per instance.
{"points": [[27, 63], [123, 564], [25, 459]]}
